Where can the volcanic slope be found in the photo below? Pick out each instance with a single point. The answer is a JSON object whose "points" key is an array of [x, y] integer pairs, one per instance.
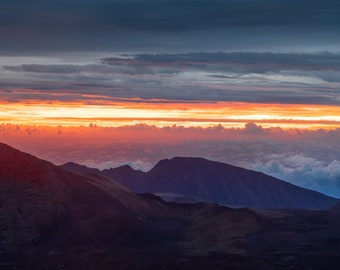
{"points": [[196, 179], [52, 218]]}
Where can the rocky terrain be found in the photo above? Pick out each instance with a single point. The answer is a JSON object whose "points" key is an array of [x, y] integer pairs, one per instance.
{"points": [[54, 219]]}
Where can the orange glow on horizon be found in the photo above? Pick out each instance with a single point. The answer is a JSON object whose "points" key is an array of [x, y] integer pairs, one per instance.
{"points": [[161, 113]]}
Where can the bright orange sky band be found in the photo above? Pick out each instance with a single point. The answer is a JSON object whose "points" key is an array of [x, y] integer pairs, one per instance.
{"points": [[158, 113]]}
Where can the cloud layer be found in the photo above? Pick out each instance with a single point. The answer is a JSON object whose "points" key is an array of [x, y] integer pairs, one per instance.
{"points": [[306, 158], [303, 171], [176, 52], [177, 24], [242, 77]]}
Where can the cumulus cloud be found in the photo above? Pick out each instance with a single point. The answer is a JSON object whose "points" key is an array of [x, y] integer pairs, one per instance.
{"points": [[252, 128], [303, 171]]}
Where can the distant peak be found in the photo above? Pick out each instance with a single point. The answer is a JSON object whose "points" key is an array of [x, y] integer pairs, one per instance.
{"points": [[183, 160], [74, 164], [125, 167], [78, 168], [188, 159], [177, 159], [71, 163]]}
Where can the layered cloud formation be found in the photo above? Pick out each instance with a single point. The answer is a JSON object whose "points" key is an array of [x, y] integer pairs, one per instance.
{"points": [[306, 158], [254, 83], [241, 77]]}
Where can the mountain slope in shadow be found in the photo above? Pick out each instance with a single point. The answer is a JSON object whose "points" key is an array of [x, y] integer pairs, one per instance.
{"points": [[54, 219], [197, 179]]}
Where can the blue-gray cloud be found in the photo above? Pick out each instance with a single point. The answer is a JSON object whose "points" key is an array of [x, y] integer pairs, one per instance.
{"points": [[303, 171], [170, 14], [230, 24], [312, 78]]}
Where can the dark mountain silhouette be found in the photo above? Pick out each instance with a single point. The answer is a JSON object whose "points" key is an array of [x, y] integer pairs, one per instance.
{"points": [[41, 203], [197, 179], [54, 219], [79, 169]]}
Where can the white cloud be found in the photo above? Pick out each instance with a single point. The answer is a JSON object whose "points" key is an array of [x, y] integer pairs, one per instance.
{"points": [[303, 171]]}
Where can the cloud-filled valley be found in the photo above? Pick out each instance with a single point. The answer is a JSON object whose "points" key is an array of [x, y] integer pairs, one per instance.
{"points": [[305, 158]]}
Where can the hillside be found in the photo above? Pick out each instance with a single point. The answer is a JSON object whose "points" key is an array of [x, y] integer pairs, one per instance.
{"points": [[54, 219], [196, 179]]}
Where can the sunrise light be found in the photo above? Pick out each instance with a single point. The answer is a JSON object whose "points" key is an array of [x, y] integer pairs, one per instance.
{"points": [[167, 114]]}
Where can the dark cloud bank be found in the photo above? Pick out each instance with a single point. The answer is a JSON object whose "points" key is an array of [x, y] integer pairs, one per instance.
{"points": [[303, 78], [173, 24]]}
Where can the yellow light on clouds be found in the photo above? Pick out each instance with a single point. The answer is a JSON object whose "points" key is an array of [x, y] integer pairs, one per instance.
{"points": [[160, 113]]}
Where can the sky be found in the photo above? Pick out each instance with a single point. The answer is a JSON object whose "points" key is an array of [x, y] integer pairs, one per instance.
{"points": [[255, 83]]}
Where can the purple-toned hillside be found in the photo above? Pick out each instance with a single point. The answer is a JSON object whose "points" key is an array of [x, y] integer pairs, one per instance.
{"points": [[197, 179], [54, 219]]}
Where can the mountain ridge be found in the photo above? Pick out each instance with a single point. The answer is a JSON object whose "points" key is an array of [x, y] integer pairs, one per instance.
{"points": [[197, 179], [54, 219], [51, 217]]}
